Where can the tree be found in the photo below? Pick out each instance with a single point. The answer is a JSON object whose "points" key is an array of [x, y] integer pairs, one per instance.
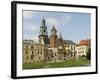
{"points": [[88, 56]]}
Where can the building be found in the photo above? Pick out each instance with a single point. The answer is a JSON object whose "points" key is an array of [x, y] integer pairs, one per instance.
{"points": [[70, 47], [82, 48], [43, 34], [53, 38], [53, 48], [34, 52], [56, 51], [61, 49]]}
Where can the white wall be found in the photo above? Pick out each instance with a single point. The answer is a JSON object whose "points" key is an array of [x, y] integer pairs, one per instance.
{"points": [[5, 40]]}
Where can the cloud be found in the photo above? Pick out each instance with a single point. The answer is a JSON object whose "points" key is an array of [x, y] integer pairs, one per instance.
{"points": [[30, 26], [28, 37], [31, 37], [35, 38], [51, 21], [28, 14], [30, 31], [66, 19]]}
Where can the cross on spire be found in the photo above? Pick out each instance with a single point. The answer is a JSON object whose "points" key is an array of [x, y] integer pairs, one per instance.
{"points": [[43, 21]]}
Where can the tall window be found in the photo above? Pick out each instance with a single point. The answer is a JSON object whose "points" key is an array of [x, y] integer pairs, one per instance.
{"points": [[32, 47], [32, 52], [32, 57], [74, 47], [44, 30], [41, 53], [26, 52], [71, 48], [55, 54], [38, 52]]}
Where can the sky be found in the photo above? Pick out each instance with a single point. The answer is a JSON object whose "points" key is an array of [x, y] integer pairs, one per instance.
{"points": [[73, 26]]}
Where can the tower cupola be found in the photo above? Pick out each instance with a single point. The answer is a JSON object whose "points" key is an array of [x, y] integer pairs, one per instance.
{"points": [[43, 34]]}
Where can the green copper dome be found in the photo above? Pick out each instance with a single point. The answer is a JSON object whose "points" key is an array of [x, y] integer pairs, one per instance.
{"points": [[43, 27]]}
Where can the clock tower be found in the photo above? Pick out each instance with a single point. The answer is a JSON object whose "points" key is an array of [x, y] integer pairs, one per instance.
{"points": [[43, 35]]}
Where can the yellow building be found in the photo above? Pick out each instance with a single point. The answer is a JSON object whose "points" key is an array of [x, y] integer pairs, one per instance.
{"points": [[53, 48], [82, 51], [34, 52], [70, 48], [82, 48]]}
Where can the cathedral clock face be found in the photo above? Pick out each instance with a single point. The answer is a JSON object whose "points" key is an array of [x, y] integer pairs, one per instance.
{"points": [[53, 39]]}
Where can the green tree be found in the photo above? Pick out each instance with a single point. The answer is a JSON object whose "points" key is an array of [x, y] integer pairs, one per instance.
{"points": [[88, 56]]}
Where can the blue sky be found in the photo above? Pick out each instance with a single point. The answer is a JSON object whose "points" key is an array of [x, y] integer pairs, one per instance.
{"points": [[73, 26]]}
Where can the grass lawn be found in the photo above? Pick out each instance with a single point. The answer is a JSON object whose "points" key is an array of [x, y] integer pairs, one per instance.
{"points": [[67, 63]]}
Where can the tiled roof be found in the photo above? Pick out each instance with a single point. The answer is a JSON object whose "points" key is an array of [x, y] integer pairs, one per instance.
{"points": [[29, 42], [69, 42], [85, 42]]}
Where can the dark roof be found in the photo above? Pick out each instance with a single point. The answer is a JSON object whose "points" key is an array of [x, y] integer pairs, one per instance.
{"points": [[29, 41], [70, 42], [53, 28], [46, 40]]}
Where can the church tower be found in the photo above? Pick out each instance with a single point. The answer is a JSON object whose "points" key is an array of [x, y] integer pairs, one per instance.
{"points": [[43, 35], [60, 41], [53, 38]]}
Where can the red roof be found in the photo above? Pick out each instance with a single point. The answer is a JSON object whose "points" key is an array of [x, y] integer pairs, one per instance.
{"points": [[85, 42]]}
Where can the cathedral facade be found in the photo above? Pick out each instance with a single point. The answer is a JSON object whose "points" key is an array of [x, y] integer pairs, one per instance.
{"points": [[49, 49]]}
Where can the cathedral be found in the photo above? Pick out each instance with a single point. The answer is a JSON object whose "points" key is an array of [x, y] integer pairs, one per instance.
{"points": [[50, 48], [55, 44], [53, 41]]}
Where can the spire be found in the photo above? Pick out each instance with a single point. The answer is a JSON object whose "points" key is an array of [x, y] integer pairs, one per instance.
{"points": [[43, 21], [43, 27], [53, 28], [60, 36], [61, 42], [53, 31], [53, 38]]}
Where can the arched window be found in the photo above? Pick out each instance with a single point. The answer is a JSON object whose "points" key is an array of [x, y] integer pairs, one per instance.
{"points": [[44, 30], [32, 52], [26, 52], [55, 54], [32, 57], [31, 46]]}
